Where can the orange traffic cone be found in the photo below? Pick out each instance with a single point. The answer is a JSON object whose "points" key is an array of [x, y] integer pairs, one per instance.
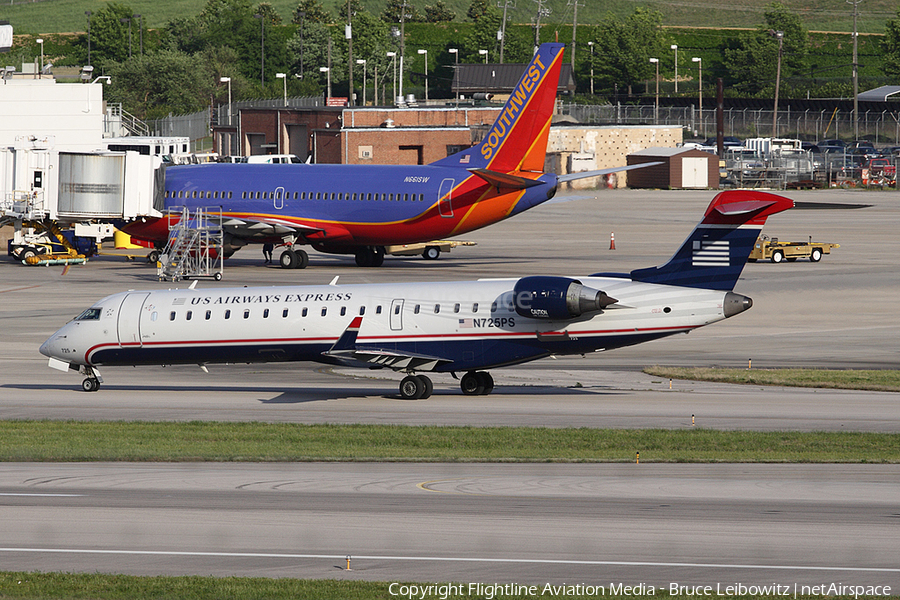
{"points": [[612, 241]]}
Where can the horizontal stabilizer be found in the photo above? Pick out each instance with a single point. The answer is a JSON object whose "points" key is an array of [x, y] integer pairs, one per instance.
{"points": [[584, 174], [504, 180], [714, 255]]}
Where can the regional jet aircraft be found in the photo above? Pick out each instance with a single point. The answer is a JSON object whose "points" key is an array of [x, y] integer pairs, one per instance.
{"points": [[420, 328], [359, 209]]}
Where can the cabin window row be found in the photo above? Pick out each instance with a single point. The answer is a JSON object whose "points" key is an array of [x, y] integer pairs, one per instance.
{"points": [[304, 312], [279, 195], [215, 194]]}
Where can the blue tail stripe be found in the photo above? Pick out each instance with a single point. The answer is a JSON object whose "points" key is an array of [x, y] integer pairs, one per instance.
{"points": [[711, 258]]}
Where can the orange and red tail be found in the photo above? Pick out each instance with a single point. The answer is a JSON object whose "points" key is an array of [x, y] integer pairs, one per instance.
{"points": [[517, 141]]}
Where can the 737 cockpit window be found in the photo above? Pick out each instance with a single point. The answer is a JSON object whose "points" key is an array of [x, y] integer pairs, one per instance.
{"points": [[91, 314]]}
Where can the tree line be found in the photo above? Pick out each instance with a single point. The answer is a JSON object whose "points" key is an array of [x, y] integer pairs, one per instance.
{"points": [[179, 67]]}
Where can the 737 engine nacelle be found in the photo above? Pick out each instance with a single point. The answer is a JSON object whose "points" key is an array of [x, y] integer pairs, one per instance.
{"points": [[557, 298]]}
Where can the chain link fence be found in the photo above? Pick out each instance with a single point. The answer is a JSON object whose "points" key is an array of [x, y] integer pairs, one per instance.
{"points": [[882, 128], [198, 126]]}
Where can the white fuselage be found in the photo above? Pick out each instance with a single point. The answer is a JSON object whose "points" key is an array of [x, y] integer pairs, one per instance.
{"points": [[469, 325]]}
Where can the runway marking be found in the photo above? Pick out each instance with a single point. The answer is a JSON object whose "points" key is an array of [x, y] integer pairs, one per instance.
{"points": [[547, 561], [44, 495]]}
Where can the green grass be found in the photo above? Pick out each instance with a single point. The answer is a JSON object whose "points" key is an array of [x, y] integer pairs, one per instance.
{"points": [[850, 379], [95, 586], [72, 441]]}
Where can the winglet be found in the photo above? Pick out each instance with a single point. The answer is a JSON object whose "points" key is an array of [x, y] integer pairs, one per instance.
{"points": [[347, 341], [714, 254]]}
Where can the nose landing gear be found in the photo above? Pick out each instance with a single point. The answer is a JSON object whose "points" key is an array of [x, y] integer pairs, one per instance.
{"points": [[92, 379]]}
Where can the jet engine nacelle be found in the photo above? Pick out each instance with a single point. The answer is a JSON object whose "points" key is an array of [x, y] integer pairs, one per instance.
{"points": [[557, 298]]}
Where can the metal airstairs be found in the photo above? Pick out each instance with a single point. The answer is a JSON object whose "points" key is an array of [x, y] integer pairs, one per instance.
{"points": [[194, 249]]}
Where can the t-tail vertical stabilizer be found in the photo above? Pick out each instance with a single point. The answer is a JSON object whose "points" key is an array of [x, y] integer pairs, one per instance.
{"points": [[517, 141], [714, 254]]}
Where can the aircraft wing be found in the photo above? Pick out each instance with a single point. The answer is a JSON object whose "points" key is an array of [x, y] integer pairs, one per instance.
{"points": [[266, 228], [583, 174], [346, 352], [372, 357]]}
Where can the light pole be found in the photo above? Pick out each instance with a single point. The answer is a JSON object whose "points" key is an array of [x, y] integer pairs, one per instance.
{"points": [[362, 61], [327, 72], [393, 57], [41, 42], [425, 52], [262, 50], [140, 30], [699, 62], [778, 35], [283, 77], [228, 81], [485, 54], [675, 48], [655, 61], [455, 53], [591, 44], [302, 15], [88, 14], [128, 20]]}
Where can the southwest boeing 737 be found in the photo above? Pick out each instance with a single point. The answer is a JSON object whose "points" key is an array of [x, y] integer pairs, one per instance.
{"points": [[359, 209], [420, 328]]}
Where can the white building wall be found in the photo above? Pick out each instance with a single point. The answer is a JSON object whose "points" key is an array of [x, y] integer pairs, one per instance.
{"points": [[608, 144], [69, 114]]}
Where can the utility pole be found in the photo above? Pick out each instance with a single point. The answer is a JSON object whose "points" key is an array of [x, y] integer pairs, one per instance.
{"points": [[502, 28], [537, 27], [402, 41], [349, 34], [574, 4], [779, 35], [855, 4]]}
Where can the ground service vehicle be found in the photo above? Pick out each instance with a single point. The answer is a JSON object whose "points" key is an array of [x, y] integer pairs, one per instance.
{"points": [[771, 249]]}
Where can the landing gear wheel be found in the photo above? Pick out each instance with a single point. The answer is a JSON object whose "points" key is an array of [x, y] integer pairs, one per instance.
{"points": [[487, 382], [90, 384], [431, 253], [364, 257], [153, 257], [370, 256], [777, 256], [816, 255], [302, 259], [288, 259], [472, 384], [412, 387], [377, 256], [429, 386]]}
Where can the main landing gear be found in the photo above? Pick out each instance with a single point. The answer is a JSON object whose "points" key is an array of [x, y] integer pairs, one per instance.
{"points": [[294, 259], [370, 256], [416, 387], [473, 383], [477, 383]]}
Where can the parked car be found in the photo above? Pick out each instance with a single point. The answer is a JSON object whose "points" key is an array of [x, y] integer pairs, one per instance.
{"points": [[728, 141], [840, 143]]}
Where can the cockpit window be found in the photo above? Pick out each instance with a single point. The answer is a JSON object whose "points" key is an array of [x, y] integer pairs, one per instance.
{"points": [[91, 314]]}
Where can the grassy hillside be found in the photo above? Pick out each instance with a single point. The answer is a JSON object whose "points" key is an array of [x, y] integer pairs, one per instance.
{"points": [[49, 16]]}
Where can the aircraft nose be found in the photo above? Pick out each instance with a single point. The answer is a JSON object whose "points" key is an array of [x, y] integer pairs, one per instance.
{"points": [[735, 304], [45, 348]]}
